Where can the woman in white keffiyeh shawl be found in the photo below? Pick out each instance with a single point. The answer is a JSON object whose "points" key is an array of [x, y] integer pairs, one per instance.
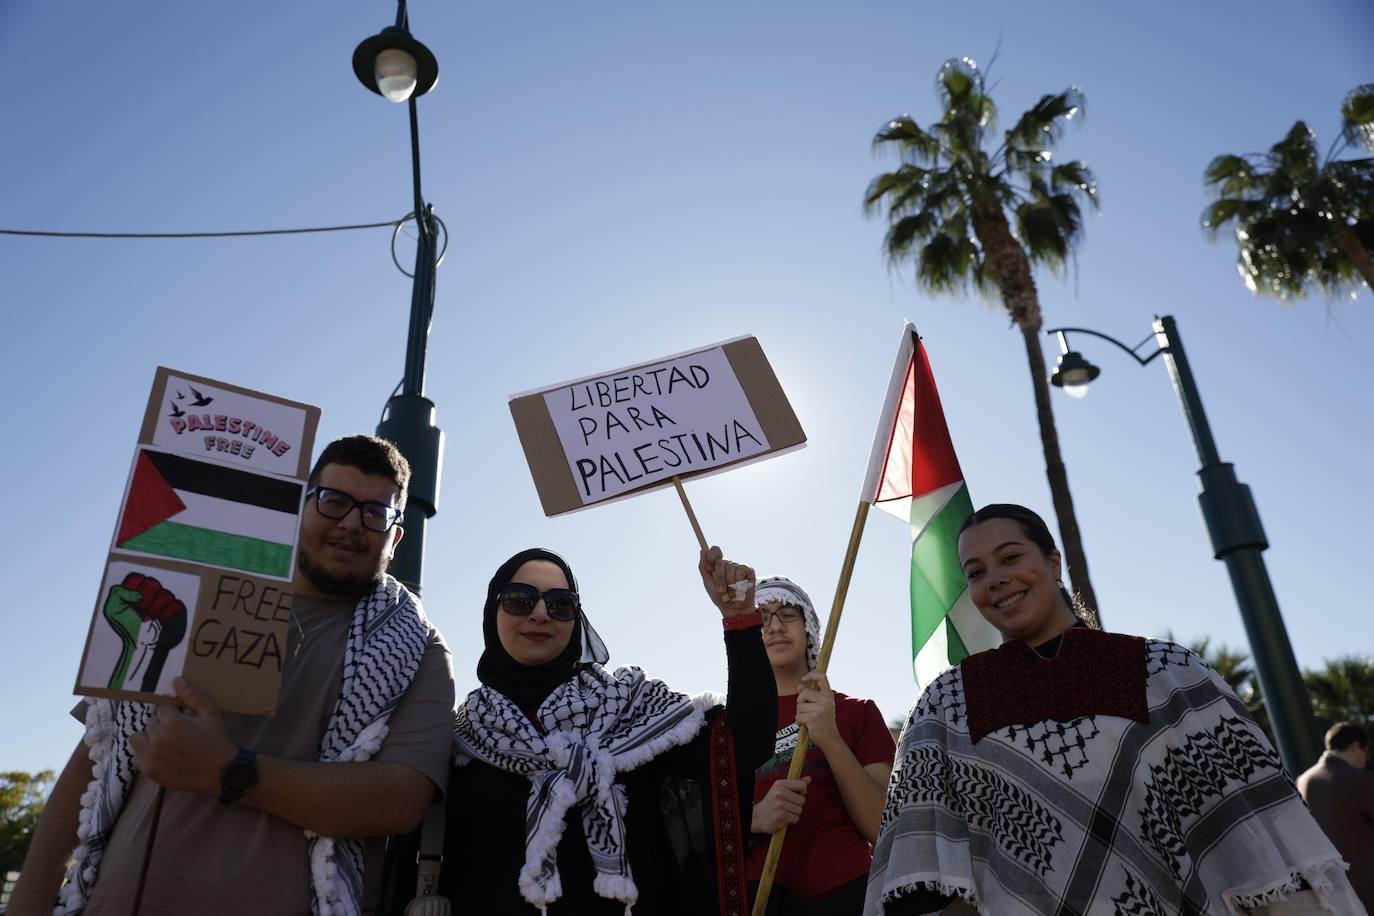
{"points": [[607, 757], [1079, 772]]}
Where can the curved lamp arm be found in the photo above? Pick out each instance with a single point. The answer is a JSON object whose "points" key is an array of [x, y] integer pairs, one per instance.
{"points": [[1131, 351]]}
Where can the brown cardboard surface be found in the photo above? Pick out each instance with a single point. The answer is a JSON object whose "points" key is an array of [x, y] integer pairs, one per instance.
{"points": [[235, 637], [548, 463], [304, 450], [235, 642], [544, 454]]}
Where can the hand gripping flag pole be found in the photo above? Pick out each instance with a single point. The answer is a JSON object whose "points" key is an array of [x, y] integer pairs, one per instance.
{"points": [[913, 474], [770, 864]]}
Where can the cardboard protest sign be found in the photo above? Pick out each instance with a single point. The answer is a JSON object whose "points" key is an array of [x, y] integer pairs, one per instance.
{"points": [[626, 432], [199, 578]]}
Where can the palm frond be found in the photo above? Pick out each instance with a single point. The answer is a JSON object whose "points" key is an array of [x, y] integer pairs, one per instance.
{"points": [[957, 81], [896, 182], [907, 231], [1233, 174], [1357, 116], [914, 144], [1295, 156], [1220, 212], [1075, 176], [1048, 226], [1041, 126], [946, 263]]}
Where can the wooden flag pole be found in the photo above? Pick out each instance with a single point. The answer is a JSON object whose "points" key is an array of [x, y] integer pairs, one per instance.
{"points": [[691, 516], [770, 864]]}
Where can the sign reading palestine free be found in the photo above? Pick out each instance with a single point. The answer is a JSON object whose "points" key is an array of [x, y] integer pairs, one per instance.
{"points": [[198, 582]]}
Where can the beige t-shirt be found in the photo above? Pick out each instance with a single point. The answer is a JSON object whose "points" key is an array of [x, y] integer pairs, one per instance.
{"points": [[210, 858]]}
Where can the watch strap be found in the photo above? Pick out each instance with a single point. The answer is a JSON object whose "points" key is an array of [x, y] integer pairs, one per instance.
{"points": [[238, 777]]}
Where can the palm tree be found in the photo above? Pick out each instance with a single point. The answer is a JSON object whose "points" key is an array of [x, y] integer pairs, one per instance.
{"points": [[1300, 221], [1343, 692], [951, 208]]}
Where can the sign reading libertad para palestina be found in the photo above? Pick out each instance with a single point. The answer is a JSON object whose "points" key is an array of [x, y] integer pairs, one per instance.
{"points": [[635, 429], [198, 582]]}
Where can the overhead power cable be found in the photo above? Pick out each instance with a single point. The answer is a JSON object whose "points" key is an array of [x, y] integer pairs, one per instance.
{"points": [[194, 235]]}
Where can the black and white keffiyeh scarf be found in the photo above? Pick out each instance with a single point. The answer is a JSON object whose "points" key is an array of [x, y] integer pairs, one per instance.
{"points": [[596, 725], [1189, 812], [386, 642], [785, 591]]}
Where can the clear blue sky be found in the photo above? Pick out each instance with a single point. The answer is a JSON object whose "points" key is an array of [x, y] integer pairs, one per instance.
{"points": [[628, 180]]}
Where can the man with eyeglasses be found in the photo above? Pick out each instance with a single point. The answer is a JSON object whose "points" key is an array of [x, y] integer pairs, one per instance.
{"points": [[279, 814], [832, 812]]}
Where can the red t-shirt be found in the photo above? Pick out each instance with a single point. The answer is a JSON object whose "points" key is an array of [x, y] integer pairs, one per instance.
{"points": [[824, 849]]}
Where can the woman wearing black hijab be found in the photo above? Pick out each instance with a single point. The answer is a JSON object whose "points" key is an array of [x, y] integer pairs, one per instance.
{"points": [[583, 791]]}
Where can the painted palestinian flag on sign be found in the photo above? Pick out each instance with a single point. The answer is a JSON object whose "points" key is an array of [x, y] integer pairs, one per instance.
{"points": [[209, 513], [914, 474]]}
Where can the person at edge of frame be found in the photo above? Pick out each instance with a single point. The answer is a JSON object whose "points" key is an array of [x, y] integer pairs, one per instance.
{"points": [[1099, 771], [1340, 791], [269, 814]]}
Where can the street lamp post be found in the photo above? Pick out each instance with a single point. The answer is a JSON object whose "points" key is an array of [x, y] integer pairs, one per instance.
{"points": [[1233, 521], [397, 67]]}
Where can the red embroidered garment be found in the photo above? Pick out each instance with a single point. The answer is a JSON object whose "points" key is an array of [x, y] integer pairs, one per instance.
{"points": [[1094, 674], [729, 830]]}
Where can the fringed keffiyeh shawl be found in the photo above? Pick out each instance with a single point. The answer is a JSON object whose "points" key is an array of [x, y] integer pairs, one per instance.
{"points": [[1084, 812], [386, 642], [596, 724]]}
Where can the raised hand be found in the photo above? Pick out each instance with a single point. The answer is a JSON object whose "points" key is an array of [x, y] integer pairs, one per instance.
{"points": [[730, 584], [184, 748], [781, 806]]}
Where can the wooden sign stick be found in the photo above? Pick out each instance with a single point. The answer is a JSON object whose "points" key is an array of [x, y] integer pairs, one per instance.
{"points": [[770, 864], [691, 516]]}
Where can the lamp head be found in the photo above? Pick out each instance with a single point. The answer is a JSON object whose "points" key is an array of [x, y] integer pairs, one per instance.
{"points": [[1073, 373], [394, 65]]}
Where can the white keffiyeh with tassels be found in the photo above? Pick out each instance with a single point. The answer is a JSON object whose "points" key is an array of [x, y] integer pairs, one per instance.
{"points": [[386, 642], [595, 725]]}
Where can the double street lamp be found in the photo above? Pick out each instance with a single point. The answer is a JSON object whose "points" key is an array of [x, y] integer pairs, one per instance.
{"points": [[1232, 520], [397, 67]]}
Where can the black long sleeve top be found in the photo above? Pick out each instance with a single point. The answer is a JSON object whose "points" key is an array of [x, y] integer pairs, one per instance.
{"points": [[667, 822]]}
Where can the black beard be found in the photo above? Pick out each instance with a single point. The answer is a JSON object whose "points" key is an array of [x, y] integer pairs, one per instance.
{"points": [[356, 584]]}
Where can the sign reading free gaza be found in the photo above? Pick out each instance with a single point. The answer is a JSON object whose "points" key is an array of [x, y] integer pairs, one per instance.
{"points": [[635, 429]]}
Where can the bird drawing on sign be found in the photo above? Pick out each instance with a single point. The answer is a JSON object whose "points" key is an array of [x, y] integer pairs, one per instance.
{"points": [[200, 399], [180, 396], [176, 411]]}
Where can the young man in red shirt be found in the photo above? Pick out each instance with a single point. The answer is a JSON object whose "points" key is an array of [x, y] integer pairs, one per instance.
{"points": [[832, 812]]}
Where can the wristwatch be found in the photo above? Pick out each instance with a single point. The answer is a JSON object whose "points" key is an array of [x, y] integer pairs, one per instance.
{"points": [[238, 777]]}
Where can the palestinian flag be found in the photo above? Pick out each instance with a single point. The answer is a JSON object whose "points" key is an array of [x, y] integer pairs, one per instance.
{"points": [[210, 513], [914, 474]]}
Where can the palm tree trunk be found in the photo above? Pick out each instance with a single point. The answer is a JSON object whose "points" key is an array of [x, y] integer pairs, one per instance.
{"points": [[1010, 269], [1363, 262]]}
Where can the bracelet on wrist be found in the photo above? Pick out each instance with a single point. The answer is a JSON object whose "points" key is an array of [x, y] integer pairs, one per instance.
{"points": [[743, 621]]}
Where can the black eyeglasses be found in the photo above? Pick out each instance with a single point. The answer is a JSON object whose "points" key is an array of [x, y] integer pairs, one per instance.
{"points": [[336, 504], [786, 613], [519, 599]]}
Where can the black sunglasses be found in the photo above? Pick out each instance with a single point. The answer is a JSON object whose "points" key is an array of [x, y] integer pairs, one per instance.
{"points": [[519, 599]]}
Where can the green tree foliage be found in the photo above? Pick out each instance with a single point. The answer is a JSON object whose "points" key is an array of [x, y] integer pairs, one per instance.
{"points": [[973, 210], [1343, 692], [1301, 221], [22, 796]]}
